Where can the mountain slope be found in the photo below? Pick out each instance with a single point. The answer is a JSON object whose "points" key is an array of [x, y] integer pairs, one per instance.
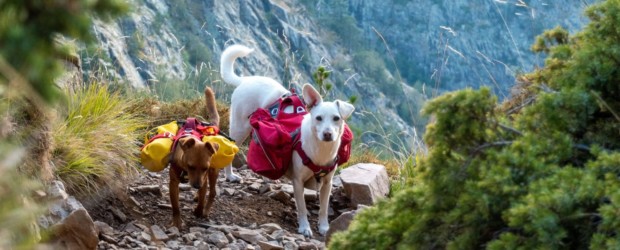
{"points": [[437, 45]]}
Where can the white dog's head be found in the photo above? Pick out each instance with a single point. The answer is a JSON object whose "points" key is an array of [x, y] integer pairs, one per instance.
{"points": [[327, 122]]}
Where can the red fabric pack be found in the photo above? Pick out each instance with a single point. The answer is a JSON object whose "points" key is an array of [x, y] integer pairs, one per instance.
{"points": [[344, 152], [273, 135]]}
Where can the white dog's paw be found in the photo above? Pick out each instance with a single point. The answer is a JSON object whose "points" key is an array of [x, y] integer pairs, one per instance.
{"points": [[233, 177], [323, 229], [306, 231]]}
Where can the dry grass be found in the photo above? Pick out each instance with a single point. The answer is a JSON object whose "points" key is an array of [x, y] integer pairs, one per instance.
{"points": [[157, 112]]}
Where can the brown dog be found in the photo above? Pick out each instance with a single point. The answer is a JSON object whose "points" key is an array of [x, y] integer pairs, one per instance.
{"points": [[194, 157]]}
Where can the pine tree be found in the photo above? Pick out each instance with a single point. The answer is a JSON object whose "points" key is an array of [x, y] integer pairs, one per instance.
{"points": [[544, 177]]}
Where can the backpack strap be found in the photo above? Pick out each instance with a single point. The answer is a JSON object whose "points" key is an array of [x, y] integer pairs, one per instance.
{"points": [[319, 171]]}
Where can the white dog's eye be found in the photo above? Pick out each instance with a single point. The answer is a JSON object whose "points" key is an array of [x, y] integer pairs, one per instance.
{"points": [[318, 118], [336, 118]]}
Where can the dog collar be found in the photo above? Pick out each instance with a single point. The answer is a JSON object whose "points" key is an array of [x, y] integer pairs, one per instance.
{"points": [[319, 171]]}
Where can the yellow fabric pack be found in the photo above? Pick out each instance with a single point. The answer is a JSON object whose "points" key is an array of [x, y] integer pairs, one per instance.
{"points": [[225, 154], [154, 155]]}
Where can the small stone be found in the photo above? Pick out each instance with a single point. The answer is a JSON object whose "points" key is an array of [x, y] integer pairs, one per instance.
{"points": [[108, 238], [307, 246], [173, 244], [134, 201], [130, 227], [164, 205], [318, 244], [244, 194], [118, 214], [309, 195], [280, 196], [229, 191], [271, 245], [103, 228], [270, 227], [255, 186], [197, 229], [336, 181], [230, 237], [187, 248], [201, 245], [143, 227], [251, 236], [158, 233], [218, 238], [264, 189], [290, 245], [269, 213], [144, 237], [278, 234], [190, 237], [56, 190], [173, 231]]}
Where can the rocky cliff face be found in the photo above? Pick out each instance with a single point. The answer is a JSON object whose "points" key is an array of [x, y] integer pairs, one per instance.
{"points": [[453, 44], [445, 44]]}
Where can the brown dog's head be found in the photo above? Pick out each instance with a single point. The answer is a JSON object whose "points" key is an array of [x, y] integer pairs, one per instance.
{"points": [[196, 159]]}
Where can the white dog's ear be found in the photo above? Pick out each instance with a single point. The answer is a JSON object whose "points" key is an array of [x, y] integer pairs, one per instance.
{"points": [[311, 96], [345, 108]]}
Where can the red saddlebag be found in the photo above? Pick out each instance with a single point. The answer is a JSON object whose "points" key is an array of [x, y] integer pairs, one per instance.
{"points": [[273, 134]]}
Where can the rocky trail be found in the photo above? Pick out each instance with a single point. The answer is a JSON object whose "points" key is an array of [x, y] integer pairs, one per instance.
{"points": [[253, 214]]}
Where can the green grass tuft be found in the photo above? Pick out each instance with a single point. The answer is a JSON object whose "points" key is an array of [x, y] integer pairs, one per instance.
{"points": [[95, 140]]}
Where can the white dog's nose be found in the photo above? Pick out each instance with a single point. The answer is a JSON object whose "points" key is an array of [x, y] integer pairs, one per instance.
{"points": [[327, 136]]}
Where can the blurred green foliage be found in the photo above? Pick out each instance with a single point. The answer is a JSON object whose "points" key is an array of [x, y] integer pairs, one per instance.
{"points": [[545, 177], [28, 33], [31, 58]]}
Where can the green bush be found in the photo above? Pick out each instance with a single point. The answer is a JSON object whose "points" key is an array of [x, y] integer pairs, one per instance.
{"points": [[95, 140], [542, 178]]}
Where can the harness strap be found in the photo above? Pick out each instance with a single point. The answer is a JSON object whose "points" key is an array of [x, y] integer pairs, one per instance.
{"points": [[319, 171], [191, 127], [163, 135]]}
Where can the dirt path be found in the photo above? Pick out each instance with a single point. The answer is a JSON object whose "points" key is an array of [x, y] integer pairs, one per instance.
{"points": [[248, 207]]}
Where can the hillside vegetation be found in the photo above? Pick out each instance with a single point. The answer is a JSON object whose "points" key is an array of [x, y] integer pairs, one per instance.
{"points": [[539, 172]]}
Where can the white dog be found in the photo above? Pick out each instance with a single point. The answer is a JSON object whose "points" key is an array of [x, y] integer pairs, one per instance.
{"points": [[321, 130]]}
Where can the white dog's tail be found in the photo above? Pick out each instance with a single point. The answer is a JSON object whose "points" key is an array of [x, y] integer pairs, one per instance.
{"points": [[227, 63]]}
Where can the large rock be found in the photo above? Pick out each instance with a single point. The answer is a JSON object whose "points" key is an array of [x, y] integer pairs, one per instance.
{"points": [[341, 223], [365, 183], [69, 224]]}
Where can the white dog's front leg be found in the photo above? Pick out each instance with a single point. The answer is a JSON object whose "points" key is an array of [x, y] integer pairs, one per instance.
{"points": [[230, 176], [302, 211], [324, 194]]}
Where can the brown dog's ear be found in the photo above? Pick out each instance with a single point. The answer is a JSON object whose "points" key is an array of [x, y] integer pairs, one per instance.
{"points": [[212, 147], [188, 143]]}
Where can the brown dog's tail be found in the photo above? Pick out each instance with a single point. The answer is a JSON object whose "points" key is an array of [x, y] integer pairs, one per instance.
{"points": [[214, 117]]}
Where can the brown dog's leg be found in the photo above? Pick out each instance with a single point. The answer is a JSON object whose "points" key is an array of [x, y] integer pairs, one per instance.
{"points": [[174, 198], [213, 173], [202, 193]]}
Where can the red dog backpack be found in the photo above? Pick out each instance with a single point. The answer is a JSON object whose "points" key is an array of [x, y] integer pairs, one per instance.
{"points": [[274, 134], [272, 138]]}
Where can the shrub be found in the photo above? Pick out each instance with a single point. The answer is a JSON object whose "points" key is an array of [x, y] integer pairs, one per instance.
{"points": [[95, 140], [544, 177]]}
